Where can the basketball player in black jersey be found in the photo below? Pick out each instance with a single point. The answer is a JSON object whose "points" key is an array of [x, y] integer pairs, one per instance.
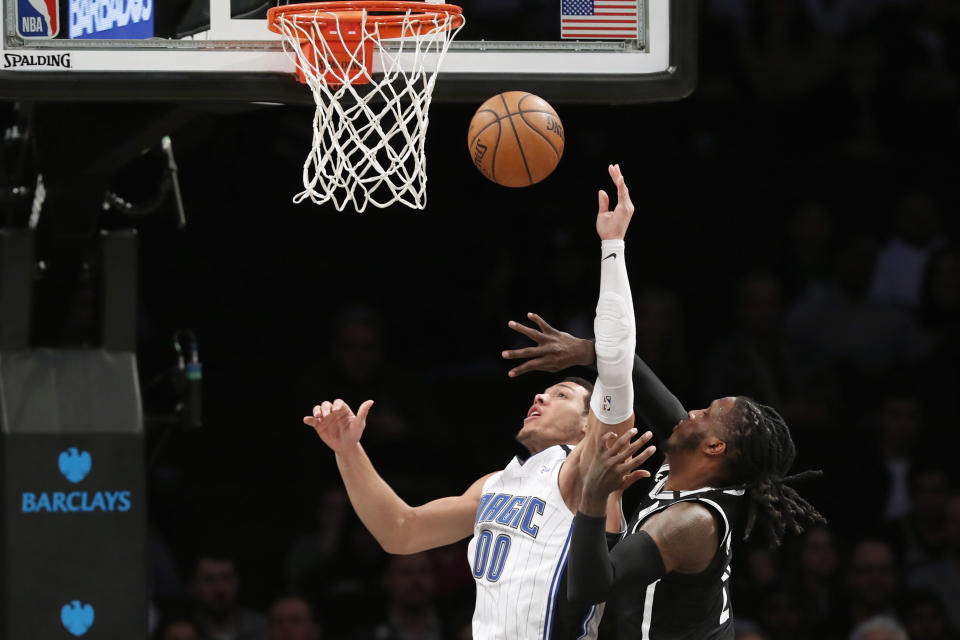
{"points": [[724, 472]]}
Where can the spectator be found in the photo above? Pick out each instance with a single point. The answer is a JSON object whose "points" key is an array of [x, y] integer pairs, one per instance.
{"points": [[757, 360], [316, 551], [879, 628], [176, 628], [939, 310], [900, 266], [925, 617], [939, 314], [410, 612], [843, 325], [872, 585], [359, 369], [943, 578], [757, 573], [214, 588], [815, 575], [292, 618], [894, 429], [347, 581], [922, 532], [808, 248], [781, 615], [660, 339]]}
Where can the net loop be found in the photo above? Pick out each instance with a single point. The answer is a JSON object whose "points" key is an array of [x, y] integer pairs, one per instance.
{"points": [[371, 67]]}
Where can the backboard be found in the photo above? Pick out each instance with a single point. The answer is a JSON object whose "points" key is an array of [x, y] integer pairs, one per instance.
{"points": [[602, 51]]}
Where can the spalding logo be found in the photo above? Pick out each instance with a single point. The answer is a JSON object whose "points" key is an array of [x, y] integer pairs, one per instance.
{"points": [[73, 465], [77, 618]]}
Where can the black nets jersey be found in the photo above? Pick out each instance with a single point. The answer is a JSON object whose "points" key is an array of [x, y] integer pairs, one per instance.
{"points": [[682, 606]]}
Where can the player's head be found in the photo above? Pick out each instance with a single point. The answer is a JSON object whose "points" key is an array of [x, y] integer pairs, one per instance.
{"points": [[557, 416], [739, 441]]}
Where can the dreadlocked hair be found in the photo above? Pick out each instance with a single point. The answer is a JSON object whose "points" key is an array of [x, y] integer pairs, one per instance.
{"points": [[762, 452]]}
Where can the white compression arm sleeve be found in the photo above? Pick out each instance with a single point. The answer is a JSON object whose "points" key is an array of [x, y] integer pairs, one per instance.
{"points": [[616, 338]]}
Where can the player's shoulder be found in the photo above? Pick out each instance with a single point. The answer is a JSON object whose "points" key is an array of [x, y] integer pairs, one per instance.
{"points": [[683, 522], [687, 535]]}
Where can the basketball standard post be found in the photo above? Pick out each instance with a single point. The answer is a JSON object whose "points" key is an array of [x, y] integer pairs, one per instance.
{"points": [[368, 132]]}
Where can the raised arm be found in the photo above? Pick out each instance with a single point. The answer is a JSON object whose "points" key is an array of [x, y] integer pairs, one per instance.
{"points": [[398, 527], [655, 406]]}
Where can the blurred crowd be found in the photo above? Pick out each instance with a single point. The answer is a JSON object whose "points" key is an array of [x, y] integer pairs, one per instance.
{"points": [[810, 261]]}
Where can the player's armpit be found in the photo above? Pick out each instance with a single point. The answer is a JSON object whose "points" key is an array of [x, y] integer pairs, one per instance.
{"points": [[439, 522], [686, 535]]}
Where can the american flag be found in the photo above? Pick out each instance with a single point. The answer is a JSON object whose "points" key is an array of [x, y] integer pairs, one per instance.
{"points": [[616, 19]]}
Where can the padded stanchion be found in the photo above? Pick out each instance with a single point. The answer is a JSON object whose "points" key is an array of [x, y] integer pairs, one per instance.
{"points": [[74, 504]]}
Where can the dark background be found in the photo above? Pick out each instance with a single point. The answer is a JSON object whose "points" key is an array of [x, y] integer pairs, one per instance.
{"points": [[855, 119]]}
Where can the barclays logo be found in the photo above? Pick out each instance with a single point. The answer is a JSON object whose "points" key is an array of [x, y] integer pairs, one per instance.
{"points": [[74, 465], [77, 618]]}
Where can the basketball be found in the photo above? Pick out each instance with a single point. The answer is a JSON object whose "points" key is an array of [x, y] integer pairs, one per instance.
{"points": [[515, 139]]}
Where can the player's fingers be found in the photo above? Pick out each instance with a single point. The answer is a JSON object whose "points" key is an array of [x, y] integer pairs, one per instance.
{"points": [[632, 477], [621, 446], [544, 326], [608, 441], [526, 352], [325, 409], [529, 365], [604, 203], [364, 410], [615, 445], [316, 411], [531, 333], [634, 446], [623, 193], [311, 421], [340, 409], [639, 459]]}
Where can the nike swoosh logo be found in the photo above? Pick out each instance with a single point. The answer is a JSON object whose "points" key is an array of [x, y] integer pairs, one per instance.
{"points": [[612, 255]]}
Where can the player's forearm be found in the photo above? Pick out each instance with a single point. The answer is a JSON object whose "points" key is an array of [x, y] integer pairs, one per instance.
{"points": [[590, 574], [656, 407], [380, 509], [594, 573], [615, 330]]}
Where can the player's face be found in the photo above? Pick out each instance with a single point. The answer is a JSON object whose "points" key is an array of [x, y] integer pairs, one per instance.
{"points": [[556, 416], [700, 424]]}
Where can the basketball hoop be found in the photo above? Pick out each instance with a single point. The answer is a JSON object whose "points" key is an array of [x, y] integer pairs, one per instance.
{"points": [[368, 131]]}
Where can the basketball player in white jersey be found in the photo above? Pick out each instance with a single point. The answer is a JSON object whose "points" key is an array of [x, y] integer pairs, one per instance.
{"points": [[520, 517]]}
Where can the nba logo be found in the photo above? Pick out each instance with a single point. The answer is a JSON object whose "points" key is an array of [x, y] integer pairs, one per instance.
{"points": [[607, 403], [38, 18]]}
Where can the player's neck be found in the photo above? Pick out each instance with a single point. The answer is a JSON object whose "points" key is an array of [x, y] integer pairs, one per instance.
{"points": [[686, 475]]}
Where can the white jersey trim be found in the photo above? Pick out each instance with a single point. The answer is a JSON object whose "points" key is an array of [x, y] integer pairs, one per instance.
{"points": [[648, 610]]}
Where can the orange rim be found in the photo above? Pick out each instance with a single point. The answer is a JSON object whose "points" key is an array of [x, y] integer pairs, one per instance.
{"points": [[390, 19]]}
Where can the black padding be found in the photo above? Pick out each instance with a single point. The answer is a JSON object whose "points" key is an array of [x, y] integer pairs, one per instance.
{"points": [[69, 391]]}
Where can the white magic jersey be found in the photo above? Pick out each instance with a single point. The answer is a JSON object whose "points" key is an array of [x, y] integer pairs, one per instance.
{"points": [[518, 555]]}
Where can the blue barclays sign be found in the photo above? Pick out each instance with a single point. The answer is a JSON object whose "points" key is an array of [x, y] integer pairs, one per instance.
{"points": [[77, 617], [75, 501], [74, 465]]}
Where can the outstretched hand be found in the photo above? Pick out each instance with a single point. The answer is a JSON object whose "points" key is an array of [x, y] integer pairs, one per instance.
{"points": [[555, 350], [614, 468], [612, 225], [337, 425]]}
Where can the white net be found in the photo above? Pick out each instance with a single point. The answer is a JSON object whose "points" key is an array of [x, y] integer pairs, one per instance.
{"points": [[368, 139]]}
